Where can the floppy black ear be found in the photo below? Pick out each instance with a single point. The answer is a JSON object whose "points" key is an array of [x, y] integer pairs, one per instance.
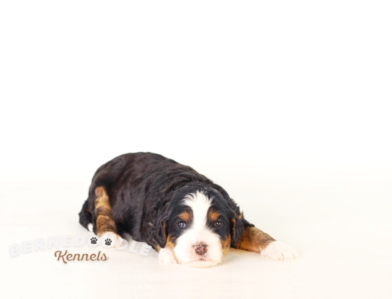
{"points": [[159, 230], [236, 230]]}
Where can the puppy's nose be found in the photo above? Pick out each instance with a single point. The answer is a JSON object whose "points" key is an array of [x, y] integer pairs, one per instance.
{"points": [[200, 248]]}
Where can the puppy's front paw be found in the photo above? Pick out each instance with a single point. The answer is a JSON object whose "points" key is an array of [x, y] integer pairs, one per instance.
{"points": [[279, 251], [118, 242], [166, 256]]}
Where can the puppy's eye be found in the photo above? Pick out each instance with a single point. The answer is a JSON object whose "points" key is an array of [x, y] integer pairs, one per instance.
{"points": [[218, 224], [181, 224]]}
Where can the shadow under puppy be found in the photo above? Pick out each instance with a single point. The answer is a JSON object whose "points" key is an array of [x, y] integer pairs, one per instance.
{"points": [[182, 214]]}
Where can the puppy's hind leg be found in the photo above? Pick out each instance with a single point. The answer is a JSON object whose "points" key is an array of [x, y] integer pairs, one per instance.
{"points": [[253, 239], [105, 225]]}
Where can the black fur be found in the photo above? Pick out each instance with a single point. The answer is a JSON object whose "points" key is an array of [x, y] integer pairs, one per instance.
{"points": [[145, 190]]}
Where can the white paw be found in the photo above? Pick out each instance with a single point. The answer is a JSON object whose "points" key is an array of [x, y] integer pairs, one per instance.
{"points": [[279, 251], [166, 256], [118, 242]]}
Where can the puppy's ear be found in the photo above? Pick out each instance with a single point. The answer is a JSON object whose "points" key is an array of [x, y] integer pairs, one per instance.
{"points": [[237, 220], [237, 229], [159, 231]]}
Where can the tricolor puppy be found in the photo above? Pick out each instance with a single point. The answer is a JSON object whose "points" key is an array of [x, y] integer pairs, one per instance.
{"points": [[183, 215]]}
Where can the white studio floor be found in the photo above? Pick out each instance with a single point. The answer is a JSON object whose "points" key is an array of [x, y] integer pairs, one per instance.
{"points": [[341, 232]]}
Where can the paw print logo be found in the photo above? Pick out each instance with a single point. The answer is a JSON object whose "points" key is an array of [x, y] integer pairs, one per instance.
{"points": [[93, 241], [108, 242]]}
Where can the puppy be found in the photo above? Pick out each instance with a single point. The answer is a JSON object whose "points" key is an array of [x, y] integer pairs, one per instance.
{"points": [[182, 214]]}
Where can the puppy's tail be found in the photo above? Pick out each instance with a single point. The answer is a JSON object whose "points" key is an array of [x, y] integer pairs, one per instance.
{"points": [[85, 217]]}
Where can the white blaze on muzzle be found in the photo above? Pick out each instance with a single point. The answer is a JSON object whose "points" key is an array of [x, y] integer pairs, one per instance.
{"points": [[198, 246]]}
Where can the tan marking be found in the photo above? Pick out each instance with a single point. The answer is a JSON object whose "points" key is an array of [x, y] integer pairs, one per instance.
{"points": [[185, 216], [171, 245], [225, 246], [100, 191], [214, 216], [103, 211], [253, 239]]}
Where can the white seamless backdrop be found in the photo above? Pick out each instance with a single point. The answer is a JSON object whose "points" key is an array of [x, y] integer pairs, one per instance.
{"points": [[286, 104]]}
